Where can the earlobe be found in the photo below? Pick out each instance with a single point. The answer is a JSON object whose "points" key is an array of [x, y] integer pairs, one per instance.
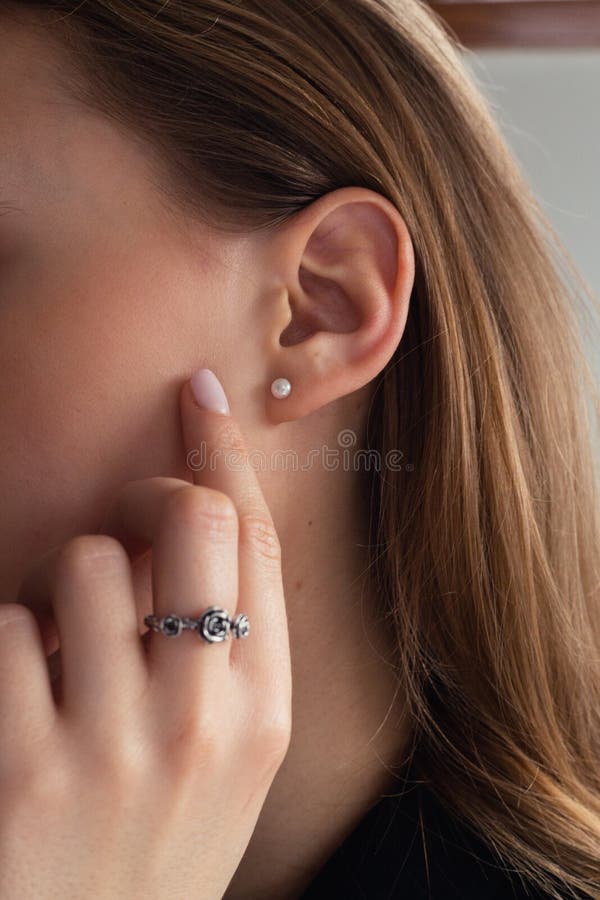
{"points": [[350, 273]]}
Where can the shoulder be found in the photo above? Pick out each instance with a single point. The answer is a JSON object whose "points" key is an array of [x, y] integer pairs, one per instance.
{"points": [[408, 846]]}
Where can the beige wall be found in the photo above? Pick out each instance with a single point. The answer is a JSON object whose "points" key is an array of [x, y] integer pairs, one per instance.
{"points": [[548, 106]]}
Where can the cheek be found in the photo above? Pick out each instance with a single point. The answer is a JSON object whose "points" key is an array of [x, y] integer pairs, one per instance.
{"points": [[88, 401]]}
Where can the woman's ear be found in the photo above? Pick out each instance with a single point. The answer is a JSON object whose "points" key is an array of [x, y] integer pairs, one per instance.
{"points": [[347, 266]]}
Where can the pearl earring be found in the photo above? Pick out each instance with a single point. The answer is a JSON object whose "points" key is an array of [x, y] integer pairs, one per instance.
{"points": [[281, 388]]}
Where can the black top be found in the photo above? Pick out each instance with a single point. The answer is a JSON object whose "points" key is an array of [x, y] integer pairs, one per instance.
{"points": [[384, 858]]}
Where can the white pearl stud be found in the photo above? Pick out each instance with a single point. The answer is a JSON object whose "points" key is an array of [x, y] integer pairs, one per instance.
{"points": [[281, 388]]}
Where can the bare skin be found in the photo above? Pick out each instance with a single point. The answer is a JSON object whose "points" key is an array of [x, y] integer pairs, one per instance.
{"points": [[108, 301]]}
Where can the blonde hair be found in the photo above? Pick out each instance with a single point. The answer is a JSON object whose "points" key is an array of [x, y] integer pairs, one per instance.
{"points": [[486, 553]]}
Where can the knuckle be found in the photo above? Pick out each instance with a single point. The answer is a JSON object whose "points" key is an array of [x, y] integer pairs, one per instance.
{"points": [[260, 534], [197, 504], [86, 551], [16, 614], [120, 761], [193, 744], [273, 747], [273, 737], [35, 782]]}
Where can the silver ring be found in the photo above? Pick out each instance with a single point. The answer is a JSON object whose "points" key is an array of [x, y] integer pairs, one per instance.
{"points": [[213, 625]]}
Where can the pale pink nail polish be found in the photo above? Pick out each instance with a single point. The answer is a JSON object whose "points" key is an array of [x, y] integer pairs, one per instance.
{"points": [[208, 391]]}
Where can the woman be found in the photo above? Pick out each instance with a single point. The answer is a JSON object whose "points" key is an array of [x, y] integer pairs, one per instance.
{"points": [[313, 202]]}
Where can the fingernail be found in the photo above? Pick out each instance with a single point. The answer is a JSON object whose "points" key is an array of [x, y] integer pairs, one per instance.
{"points": [[208, 391]]}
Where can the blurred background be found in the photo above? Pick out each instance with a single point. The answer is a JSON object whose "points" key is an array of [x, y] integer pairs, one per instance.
{"points": [[538, 63]]}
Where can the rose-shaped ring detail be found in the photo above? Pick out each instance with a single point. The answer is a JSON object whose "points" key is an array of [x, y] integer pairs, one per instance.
{"points": [[213, 626]]}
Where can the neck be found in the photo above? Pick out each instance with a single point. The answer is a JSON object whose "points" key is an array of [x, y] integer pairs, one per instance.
{"points": [[347, 722]]}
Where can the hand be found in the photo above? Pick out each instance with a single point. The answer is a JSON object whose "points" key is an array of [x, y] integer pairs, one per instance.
{"points": [[141, 772]]}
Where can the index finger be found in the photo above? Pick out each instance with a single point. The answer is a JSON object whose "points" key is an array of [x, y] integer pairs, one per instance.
{"points": [[216, 451], [217, 456]]}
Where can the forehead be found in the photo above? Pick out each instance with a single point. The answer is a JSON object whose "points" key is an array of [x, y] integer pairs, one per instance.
{"points": [[53, 148], [31, 65], [34, 115]]}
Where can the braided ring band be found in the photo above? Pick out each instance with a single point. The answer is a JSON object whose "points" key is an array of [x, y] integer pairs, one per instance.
{"points": [[214, 625]]}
